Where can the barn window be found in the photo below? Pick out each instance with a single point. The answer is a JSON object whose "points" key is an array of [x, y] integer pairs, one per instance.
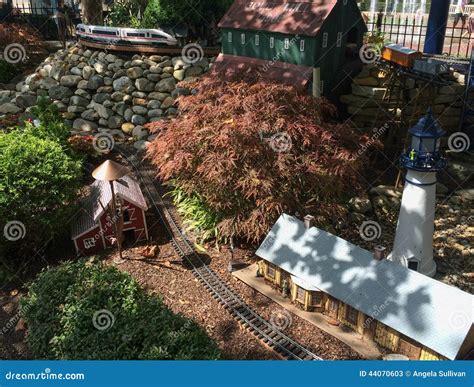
{"points": [[287, 44], [301, 45], [126, 215], [351, 314], [339, 39], [325, 40], [89, 243], [316, 298], [270, 271], [413, 265], [242, 38], [229, 37], [300, 294], [272, 42], [257, 40]]}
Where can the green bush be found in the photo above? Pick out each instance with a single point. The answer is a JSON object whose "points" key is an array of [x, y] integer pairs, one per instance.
{"points": [[7, 71], [51, 123], [63, 310], [38, 183]]}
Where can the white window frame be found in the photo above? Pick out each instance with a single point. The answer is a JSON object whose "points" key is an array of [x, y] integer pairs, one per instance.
{"points": [[242, 38], [302, 42], [339, 39], [272, 42], [89, 243], [325, 39], [257, 40], [229, 37], [287, 44]]}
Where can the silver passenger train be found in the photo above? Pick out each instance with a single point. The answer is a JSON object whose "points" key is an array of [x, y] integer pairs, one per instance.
{"points": [[125, 36]]}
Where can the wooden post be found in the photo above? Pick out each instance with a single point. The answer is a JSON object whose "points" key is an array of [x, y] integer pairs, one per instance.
{"points": [[115, 221], [316, 82]]}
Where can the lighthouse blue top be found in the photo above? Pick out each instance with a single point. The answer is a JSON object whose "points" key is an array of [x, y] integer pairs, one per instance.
{"points": [[424, 154]]}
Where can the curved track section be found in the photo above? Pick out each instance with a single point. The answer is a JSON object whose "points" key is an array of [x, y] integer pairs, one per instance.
{"points": [[285, 346]]}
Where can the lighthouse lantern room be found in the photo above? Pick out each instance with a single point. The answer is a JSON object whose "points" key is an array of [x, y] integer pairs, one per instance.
{"points": [[413, 246]]}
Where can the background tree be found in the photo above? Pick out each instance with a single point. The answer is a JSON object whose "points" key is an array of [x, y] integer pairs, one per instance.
{"points": [[92, 12]]}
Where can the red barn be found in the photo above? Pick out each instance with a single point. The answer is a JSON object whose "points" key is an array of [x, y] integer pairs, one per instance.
{"points": [[93, 230]]}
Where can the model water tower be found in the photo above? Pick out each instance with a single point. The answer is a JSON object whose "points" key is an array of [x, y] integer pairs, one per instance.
{"points": [[413, 245]]}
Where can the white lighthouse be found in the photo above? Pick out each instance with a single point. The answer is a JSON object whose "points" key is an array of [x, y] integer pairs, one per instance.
{"points": [[413, 246]]}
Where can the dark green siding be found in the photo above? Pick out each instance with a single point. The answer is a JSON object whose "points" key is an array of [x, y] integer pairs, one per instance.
{"points": [[292, 54]]}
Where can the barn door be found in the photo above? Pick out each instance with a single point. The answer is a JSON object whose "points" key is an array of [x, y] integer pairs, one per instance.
{"points": [[331, 307]]}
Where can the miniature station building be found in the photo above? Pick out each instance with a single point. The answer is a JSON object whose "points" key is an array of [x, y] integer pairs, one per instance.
{"points": [[287, 40], [398, 308], [93, 230]]}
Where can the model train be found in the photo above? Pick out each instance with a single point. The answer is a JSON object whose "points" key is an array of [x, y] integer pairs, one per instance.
{"points": [[125, 36]]}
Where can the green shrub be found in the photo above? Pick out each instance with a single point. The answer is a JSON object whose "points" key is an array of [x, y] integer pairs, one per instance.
{"points": [[64, 303], [51, 122], [7, 71], [38, 183]]}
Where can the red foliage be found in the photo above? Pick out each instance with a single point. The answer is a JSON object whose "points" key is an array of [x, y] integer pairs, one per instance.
{"points": [[253, 151], [25, 35]]}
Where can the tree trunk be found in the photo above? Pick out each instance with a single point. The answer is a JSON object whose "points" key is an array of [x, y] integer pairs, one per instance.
{"points": [[92, 12]]}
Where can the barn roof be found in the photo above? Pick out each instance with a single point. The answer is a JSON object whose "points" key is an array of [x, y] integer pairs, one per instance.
{"points": [[294, 75], [297, 17], [100, 197], [434, 314]]}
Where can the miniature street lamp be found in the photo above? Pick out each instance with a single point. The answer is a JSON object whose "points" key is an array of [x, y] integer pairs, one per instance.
{"points": [[413, 246], [110, 171]]}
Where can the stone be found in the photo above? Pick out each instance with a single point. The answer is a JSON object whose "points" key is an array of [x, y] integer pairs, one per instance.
{"points": [[193, 72], [108, 81], [138, 119], [87, 72], [59, 92], [141, 145], [95, 82], [78, 101], [178, 62], [171, 111], [139, 132], [82, 93], [76, 71], [153, 77], [9, 108], [84, 125], [118, 96], [367, 91], [115, 122], [108, 103], [156, 70], [48, 83], [120, 108], [82, 84], [26, 100], [153, 104], [103, 112], [155, 58], [465, 194], [454, 89], [101, 97], [179, 75], [128, 114], [369, 81], [100, 67], [58, 70], [128, 127], [105, 89], [441, 188], [75, 110], [143, 84], [137, 109], [361, 205], [110, 58], [168, 102], [122, 83], [385, 190], [90, 115], [134, 72], [155, 113]]}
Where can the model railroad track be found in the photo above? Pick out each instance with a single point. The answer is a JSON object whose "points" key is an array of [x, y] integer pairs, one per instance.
{"points": [[217, 287], [143, 49]]}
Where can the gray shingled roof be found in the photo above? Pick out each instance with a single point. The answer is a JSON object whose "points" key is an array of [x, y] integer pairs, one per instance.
{"points": [[126, 188], [436, 315]]}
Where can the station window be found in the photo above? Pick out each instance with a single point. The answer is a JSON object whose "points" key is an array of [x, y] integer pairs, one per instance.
{"points": [[287, 44], [351, 314], [270, 271], [89, 243], [272, 42], [257, 40], [317, 298], [300, 292], [302, 45], [242, 38], [413, 265], [339, 39], [325, 40], [229, 37]]}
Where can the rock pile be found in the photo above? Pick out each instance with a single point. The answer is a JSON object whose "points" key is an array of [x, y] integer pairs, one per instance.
{"points": [[370, 105], [98, 91]]}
